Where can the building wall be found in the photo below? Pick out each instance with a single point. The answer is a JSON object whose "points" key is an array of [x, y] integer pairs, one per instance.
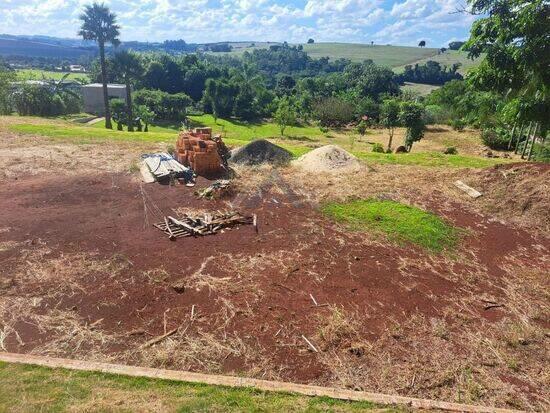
{"points": [[93, 97]]}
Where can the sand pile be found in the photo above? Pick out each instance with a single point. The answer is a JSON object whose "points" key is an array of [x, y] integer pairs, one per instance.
{"points": [[329, 158], [260, 151]]}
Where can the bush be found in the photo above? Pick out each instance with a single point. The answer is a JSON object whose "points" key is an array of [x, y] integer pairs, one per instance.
{"points": [[541, 152], [38, 100], [495, 138], [435, 114], [451, 150], [458, 124], [377, 147], [334, 111], [165, 105]]}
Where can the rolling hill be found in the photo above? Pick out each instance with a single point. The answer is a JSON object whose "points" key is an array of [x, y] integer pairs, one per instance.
{"points": [[21, 47], [395, 57]]}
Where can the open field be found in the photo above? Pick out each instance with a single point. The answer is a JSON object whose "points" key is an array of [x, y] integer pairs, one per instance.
{"points": [[447, 59], [297, 140], [395, 57], [85, 275], [390, 56], [55, 390], [419, 88], [37, 74]]}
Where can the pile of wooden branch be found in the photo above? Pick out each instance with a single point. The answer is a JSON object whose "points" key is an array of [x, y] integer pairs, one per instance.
{"points": [[208, 224]]}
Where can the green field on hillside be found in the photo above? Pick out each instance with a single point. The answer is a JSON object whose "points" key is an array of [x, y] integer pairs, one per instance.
{"points": [[38, 74], [26, 388], [395, 57], [390, 56]]}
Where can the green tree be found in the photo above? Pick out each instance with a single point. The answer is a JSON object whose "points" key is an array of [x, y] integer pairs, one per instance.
{"points": [[120, 114], [389, 116], [514, 36], [99, 24], [6, 77], [128, 65], [285, 114], [146, 116], [412, 117]]}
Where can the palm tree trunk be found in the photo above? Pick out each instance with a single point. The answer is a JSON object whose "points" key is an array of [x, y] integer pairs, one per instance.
{"points": [[108, 123], [129, 106]]}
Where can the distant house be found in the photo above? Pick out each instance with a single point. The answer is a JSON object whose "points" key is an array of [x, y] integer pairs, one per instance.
{"points": [[77, 69], [92, 95]]}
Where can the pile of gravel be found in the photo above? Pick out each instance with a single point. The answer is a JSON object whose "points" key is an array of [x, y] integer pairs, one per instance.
{"points": [[260, 151], [328, 158]]}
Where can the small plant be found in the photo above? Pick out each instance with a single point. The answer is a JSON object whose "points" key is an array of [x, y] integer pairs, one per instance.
{"points": [[323, 129], [377, 147], [451, 150], [362, 128], [458, 124]]}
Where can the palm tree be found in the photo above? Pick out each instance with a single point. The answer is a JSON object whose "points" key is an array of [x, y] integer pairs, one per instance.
{"points": [[99, 24], [128, 65]]}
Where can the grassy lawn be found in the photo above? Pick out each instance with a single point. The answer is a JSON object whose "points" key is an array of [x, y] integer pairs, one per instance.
{"points": [[26, 388], [37, 74], [297, 140], [429, 159], [401, 223]]}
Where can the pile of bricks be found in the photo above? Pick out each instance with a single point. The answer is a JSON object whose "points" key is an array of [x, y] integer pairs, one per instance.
{"points": [[197, 150]]}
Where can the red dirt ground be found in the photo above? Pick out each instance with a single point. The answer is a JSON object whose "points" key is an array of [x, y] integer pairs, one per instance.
{"points": [[297, 252]]}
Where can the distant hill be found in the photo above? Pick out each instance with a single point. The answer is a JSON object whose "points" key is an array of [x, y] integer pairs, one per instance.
{"points": [[21, 47], [395, 57]]}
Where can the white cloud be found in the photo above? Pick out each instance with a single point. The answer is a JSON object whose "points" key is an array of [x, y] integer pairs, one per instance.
{"points": [[402, 21]]}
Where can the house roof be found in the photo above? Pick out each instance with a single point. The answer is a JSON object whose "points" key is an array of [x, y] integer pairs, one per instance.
{"points": [[109, 85]]}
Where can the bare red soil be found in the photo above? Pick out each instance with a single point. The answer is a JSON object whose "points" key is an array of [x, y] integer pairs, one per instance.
{"points": [[245, 286]]}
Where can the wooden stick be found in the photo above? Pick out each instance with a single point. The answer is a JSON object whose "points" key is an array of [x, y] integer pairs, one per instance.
{"points": [[192, 311], [533, 142], [155, 340], [309, 343], [313, 299]]}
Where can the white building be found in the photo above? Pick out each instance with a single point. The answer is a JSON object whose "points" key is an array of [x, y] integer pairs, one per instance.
{"points": [[92, 95]]}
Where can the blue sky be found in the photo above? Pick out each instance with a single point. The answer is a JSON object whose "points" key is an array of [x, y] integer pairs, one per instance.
{"points": [[398, 22]]}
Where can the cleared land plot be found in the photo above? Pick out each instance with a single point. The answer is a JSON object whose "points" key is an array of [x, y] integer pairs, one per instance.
{"points": [[85, 275], [420, 88], [56, 390]]}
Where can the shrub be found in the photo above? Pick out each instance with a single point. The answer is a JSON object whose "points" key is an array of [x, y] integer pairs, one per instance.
{"points": [[362, 128], [436, 114], [38, 100], [541, 152], [165, 105], [458, 124], [495, 138], [334, 111], [377, 147], [451, 150]]}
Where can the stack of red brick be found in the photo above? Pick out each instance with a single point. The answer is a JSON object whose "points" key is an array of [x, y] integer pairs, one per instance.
{"points": [[197, 150]]}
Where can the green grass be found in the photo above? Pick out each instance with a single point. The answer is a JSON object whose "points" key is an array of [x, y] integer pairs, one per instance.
{"points": [[434, 159], [390, 56], [38, 74], [26, 388], [237, 134], [446, 59], [401, 223]]}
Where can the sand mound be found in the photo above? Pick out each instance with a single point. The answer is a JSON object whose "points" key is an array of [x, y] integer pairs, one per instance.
{"points": [[518, 192], [260, 151], [329, 158]]}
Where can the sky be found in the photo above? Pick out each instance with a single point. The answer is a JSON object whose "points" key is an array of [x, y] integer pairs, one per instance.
{"points": [[397, 22]]}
